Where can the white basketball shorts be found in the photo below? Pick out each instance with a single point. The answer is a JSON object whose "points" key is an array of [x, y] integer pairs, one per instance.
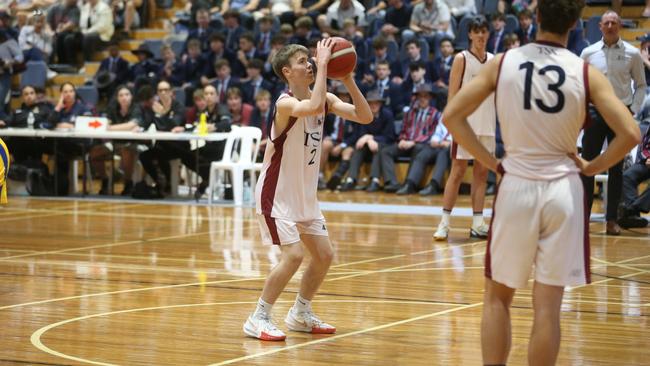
{"points": [[540, 223], [457, 151], [282, 232]]}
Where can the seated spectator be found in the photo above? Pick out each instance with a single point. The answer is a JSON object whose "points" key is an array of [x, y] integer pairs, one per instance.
{"points": [[462, 8], [203, 31], [417, 77], [123, 114], [527, 31], [351, 33], [255, 82], [216, 52], [6, 24], [511, 41], [31, 114], [397, 19], [63, 116], [117, 69], [192, 113], [418, 127], [311, 8], [379, 53], [224, 80], [496, 41], [63, 19], [438, 153], [245, 9], [304, 31], [632, 204], [286, 30], [167, 67], [274, 8], [145, 71], [431, 20], [332, 22], [96, 22], [10, 57], [261, 117], [277, 42], [413, 54], [264, 35], [35, 39], [187, 72], [126, 15], [233, 29], [168, 115], [388, 90], [240, 112], [338, 141], [246, 52], [441, 71], [370, 140]]}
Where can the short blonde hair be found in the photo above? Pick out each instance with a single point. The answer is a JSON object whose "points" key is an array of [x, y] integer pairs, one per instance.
{"points": [[282, 58]]}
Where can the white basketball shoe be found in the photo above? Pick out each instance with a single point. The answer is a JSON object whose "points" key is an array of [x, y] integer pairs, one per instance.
{"points": [[307, 322], [261, 327]]}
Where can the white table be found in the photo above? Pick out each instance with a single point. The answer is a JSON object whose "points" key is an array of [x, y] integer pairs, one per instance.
{"points": [[112, 135]]}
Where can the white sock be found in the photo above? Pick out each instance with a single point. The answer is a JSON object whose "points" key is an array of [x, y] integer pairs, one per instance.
{"points": [[446, 215], [477, 219], [263, 307], [302, 305]]}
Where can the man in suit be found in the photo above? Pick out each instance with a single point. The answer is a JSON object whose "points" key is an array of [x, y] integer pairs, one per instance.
{"points": [[255, 82], [247, 51], [497, 35], [527, 31], [264, 35], [233, 29], [417, 76], [115, 65], [224, 80], [366, 71], [413, 54], [387, 89], [440, 71], [216, 52], [261, 117], [202, 32], [187, 72]]}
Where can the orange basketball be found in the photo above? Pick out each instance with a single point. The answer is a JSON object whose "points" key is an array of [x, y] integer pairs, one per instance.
{"points": [[343, 60]]}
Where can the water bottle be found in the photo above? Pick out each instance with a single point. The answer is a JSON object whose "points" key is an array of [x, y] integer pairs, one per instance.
{"points": [[247, 191], [30, 120]]}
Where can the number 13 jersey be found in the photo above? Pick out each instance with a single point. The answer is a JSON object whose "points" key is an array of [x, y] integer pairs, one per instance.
{"points": [[542, 97], [288, 184]]}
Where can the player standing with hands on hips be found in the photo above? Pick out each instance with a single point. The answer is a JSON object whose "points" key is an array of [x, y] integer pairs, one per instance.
{"points": [[542, 93], [287, 205]]}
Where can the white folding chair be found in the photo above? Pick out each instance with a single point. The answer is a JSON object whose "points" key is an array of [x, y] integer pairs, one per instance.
{"points": [[237, 162]]}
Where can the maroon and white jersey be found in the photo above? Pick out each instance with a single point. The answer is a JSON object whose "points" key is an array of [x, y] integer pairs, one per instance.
{"points": [[542, 96], [484, 120], [288, 184]]}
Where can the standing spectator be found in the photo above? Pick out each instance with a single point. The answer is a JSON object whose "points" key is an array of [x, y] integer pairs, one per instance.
{"points": [[438, 153], [431, 20], [622, 64], [124, 115], [497, 34], [418, 127], [63, 19], [240, 112], [10, 57], [370, 140], [332, 22], [97, 27], [527, 30], [36, 39]]}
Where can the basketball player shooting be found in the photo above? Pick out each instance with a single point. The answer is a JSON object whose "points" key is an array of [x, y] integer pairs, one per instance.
{"points": [[287, 205], [542, 95]]}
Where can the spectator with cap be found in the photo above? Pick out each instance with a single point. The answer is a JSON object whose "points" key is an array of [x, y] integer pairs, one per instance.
{"points": [[419, 125], [145, 71], [370, 139], [96, 22], [113, 68]]}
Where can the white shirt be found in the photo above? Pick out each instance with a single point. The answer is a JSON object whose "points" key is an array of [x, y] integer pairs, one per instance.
{"points": [[334, 12], [461, 7], [540, 131], [622, 64]]}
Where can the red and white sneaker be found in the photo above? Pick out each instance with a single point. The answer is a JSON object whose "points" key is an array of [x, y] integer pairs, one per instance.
{"points": [[262, 327], [307, 322]]}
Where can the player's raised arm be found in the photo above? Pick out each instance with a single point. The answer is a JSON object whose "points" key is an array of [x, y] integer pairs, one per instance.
{"points": [[358, 111], [315, 104], [464, 103], [618, 118]]}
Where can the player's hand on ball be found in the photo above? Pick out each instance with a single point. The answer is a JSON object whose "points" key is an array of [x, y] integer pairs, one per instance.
{"points": [[323, 51]]}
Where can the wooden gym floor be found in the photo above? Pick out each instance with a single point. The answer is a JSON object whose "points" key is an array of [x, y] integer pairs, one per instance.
{"points": [[107, 282]]}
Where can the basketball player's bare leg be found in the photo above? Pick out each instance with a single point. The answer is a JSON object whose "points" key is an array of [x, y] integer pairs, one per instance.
{"points": [[259, 324], [479, 184], [458, 168], [495, 324], [545, 336], [301, 317]]}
